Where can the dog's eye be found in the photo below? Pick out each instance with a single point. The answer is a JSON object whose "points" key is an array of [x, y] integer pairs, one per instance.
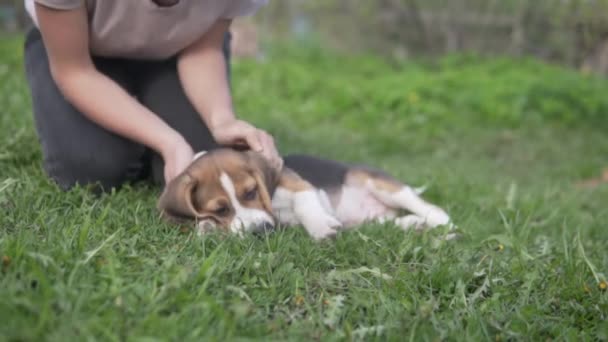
{"points": [[222, 211], [251, 194]]}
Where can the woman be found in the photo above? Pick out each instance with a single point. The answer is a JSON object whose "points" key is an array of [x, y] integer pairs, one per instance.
{"points": [[127, 89]]}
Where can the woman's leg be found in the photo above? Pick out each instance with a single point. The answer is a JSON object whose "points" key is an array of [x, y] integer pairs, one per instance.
{"points": [[76, 150], [160, 90]]}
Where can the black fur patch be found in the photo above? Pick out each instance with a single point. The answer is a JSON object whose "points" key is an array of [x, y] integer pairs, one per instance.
{"points": [[321, 173]]}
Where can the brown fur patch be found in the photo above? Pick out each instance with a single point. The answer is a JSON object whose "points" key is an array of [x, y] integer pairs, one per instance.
{"points": [[176, 200], [293, 182], [268, 175], [358, 177], [263, 193]]}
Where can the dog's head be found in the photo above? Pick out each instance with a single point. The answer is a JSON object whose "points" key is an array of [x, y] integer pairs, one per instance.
{"points": [[223, 189]]}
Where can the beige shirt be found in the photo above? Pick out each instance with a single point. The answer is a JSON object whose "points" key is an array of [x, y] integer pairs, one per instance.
{"points": [[140, 29]]}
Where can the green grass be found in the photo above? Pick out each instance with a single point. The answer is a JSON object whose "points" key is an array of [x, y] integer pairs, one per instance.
{"points": [[501, 144]]}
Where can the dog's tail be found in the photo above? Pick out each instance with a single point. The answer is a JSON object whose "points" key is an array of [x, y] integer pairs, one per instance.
{"points": [[420, 190]]}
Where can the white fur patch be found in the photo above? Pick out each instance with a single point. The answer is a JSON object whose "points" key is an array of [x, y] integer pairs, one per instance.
{"points": [[306, 208], [309, 211], [358, 205], [326, 202], [244, 218], [420, 190], [407, 198], [282, 207], [410, 221]]}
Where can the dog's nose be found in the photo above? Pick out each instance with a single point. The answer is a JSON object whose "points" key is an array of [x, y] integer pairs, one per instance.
{"points": [[263, 228]]}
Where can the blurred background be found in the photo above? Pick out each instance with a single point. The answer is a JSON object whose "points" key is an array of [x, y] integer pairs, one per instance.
{"points": [[568, 32]]}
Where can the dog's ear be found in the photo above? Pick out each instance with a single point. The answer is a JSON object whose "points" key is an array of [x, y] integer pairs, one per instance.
{"points": [[267, 175], [263, 190], [177, 199]]}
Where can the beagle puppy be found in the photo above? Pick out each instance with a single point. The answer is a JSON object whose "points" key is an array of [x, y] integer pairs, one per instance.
{"points": [[239, 192]]}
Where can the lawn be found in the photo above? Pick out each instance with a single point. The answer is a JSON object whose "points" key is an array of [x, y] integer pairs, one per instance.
{"points": [[501, 144]]}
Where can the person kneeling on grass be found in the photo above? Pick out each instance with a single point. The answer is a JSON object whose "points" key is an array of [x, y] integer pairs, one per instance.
{"points": [[128, 90]]}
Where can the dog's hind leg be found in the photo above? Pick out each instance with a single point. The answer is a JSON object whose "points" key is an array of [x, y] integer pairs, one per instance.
{"points": [[397, 195]]}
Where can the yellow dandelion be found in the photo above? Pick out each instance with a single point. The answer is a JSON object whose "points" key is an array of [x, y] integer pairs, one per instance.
{"points": [[299, 300], [413, 97], [500, 247], [603, 285]]}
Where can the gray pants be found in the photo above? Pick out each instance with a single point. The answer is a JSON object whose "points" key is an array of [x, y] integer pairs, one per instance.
{"points": [[77, 151]]}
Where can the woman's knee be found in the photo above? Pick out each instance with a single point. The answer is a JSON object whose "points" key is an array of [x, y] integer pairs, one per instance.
{"points": [[101, 173]]}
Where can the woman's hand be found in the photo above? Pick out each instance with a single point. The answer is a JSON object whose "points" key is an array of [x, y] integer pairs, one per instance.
{"points": [[177, 157], [239, 133]]}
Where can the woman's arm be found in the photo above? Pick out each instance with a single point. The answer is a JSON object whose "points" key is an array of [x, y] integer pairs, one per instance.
{"points": [[202, 71], [65, 36]]}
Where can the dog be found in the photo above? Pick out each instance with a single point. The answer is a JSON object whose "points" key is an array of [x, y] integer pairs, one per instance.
{"points": [[238, 191]]}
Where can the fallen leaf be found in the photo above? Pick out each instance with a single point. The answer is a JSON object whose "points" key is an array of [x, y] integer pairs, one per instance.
{"points": [[6, 260]]}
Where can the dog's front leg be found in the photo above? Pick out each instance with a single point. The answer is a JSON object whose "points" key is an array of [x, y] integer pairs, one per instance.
{"points": [[316, 220], [297, 200]]}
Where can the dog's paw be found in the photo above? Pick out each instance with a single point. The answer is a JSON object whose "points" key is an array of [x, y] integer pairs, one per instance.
{"points": [[436, 217], [205, 227], [309, 210], [421, 223], [410, 222], [322, 226], [330, 234]]}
